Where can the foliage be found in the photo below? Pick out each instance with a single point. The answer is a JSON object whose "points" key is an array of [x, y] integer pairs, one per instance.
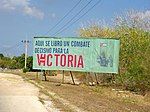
{"points": [[29, 63], [134, 51], [4, 62], [17, 62], [25, 70], [1, 56]]}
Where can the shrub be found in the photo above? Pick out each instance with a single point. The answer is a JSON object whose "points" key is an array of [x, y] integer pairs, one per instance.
{"points": [[134, 53], [25, 70]]}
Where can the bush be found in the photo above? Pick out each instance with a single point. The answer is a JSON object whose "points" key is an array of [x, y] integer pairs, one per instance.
{"points": [[134, 53], [25, 70]]}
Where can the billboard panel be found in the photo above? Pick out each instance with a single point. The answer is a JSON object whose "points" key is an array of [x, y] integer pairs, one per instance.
{"points": [[76, 54]]}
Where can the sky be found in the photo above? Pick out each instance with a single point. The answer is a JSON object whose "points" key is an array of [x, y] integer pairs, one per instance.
{"points": [[25, 19]]}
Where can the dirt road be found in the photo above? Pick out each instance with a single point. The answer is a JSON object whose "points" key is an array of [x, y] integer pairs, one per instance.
{"points": [[17, 95]]}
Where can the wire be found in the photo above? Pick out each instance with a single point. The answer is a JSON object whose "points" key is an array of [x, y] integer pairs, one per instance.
{"points": [[74, 17], [7, 49], [64, 16], [10, 48], [60, 31]]}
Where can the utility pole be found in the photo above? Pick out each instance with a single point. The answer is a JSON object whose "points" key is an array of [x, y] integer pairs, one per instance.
{"points": [[26, 51]]}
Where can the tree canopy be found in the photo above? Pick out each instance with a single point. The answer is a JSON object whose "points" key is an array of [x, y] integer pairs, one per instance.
{"points": [[134, 34], [16, 62]]}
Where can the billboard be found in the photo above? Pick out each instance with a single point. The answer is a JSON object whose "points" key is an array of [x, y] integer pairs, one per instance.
{"points": [[76, 54]]}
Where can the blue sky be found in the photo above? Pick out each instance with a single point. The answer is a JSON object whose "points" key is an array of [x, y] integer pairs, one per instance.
{"points": [[21, 19]]}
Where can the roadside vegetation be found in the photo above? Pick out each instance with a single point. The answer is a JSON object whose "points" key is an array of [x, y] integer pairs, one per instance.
{"points": [[16, 62], [133, 31]]}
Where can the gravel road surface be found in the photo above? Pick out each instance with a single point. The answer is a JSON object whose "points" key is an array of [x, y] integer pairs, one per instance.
{"points": [[16, 95]]}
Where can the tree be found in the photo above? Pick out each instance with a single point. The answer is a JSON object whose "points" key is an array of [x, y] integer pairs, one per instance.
{"points": [[29, 63], [13, 64], [134, 52], [1, 55], [21, 61], [17, 62]]}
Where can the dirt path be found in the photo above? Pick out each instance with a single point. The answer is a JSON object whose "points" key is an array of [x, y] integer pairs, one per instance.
{"points": [[96, 98], [17, 95]]}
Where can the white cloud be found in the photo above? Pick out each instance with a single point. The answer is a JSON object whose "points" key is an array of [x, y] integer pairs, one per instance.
{"points": [[23, 6], [33, 11]]}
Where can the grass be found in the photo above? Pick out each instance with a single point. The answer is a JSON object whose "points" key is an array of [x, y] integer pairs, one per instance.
{"points": [[41, 100], [129, 100]]}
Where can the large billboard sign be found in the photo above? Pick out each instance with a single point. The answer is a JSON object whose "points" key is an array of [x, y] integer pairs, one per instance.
{"points": [[76, 54]]}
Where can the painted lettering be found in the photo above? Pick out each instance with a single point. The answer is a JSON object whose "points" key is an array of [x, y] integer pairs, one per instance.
{"points": [[61, 60]]}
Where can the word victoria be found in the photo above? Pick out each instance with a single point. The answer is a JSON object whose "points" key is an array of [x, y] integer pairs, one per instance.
{"points": [[60, 60]]}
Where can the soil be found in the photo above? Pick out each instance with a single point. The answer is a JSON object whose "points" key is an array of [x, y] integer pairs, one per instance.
{"points": [[16, 95], [70, 98]]}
